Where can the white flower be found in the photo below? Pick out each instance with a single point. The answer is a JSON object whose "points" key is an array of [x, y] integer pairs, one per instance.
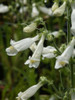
{"points": [[30, 28], [20, 45], [33, 47], [34, 61], [56, 34], [23, 1], [48, 52], [73, 20], [23, 9], [45, 10], [3, 8], [29, 92], [65, 56], [35, 11], [55, 6], [52, 98], [60, 11]]}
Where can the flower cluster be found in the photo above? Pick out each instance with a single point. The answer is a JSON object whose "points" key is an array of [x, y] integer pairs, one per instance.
{"points": [[38, 49]]}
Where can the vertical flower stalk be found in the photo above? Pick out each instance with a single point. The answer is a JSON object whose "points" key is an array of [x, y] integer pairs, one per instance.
{"points": [[69, 38], [68, 25]]}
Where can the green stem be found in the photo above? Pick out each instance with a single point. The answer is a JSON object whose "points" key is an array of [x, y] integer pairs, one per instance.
{"points": [[58, 93], [56, 47], [68, 25], [61, 80], [72, 77], [68, 40]]}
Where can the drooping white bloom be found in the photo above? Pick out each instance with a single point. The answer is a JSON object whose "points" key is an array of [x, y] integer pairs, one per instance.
{"points": [[35, 11], [20, 45], [34, 61], [30, 28], [48, 52], [23, 9], [65, 56], [32, 90], [45, 10], [55, 6], [29, 92], [73, 19], [23, 1], [60, 11], [3, 8]]}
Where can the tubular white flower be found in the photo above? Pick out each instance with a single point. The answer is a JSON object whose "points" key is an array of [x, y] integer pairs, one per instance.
{"points": [[34, 61], [35, 11], [3, 8], [23, 1], [48, 52], [20, 45], [65, 56], [60, 11], [29, 92], [73, 20], [23, 9], [55, 6], [45, 10], [30, 28]]}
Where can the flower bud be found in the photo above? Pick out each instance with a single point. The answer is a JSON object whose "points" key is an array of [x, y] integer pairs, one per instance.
{"points": [[35, 11], [55, 6], [30, 28]]}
